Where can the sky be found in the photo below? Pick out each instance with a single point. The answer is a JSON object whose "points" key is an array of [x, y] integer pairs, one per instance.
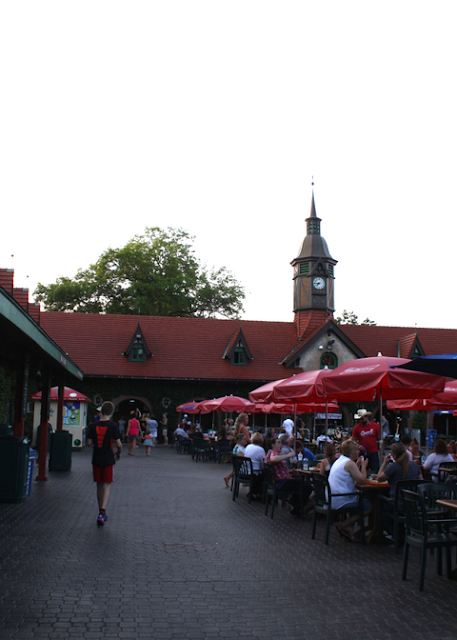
{"points": [[215, 117]]}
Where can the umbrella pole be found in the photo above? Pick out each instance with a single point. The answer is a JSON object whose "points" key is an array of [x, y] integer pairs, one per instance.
{"points": [[295, 428], [381, 441], [426, 433], [326, 414]]}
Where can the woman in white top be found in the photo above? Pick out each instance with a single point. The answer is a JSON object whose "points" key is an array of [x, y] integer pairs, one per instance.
{"points": [[348, 469], [439, 456]]}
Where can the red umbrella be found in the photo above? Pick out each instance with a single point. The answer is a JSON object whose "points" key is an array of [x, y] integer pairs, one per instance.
{"points": [[265, 392], [226, 403], [446, 400], [277, 407], [368, 378], [304, 387], [189, 407], [68, 394]]}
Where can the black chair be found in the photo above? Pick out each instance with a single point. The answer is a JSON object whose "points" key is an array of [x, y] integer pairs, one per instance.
{"points": [[201, 449], [223, 448], [323, 506], [425, 532], [447, 472], [433, 491], [183, 445], [272, 488], [392, 508], [243, 473]]}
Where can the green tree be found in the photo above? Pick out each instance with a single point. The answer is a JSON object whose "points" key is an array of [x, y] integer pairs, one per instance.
{"points": [[155, 273], [349, 317]]}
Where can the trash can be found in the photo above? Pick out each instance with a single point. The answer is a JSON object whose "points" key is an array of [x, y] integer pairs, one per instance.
{"points": [[431, 437], [32, 457], [60, 456], [14, 463]]}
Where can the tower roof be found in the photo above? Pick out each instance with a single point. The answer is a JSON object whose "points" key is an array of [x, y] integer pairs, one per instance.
{"points": [[314, 245]]}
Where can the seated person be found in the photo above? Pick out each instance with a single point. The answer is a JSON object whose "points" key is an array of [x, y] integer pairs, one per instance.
{"points": [[300, 448], [179, 431], [330, 456], [322, 440], [452, 449], [288, 479], [287, 447], [256, 453], [344, 473], [397, 466], [416, 453], [238, 450], [439, 456]]}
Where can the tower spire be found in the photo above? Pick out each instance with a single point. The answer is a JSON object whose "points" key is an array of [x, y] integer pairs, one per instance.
{"points": [[313, 274]]}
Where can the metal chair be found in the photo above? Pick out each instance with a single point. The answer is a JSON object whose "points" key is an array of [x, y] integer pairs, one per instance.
{"points": [[243, 473], [392, 508], [323, 505], [447, 472], [272, 487], [426, 532]]}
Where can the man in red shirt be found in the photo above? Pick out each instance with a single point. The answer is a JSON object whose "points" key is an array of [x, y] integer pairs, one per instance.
{"points": [[367, 433]]}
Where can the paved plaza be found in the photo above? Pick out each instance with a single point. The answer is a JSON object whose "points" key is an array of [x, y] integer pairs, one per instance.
{"points": [[179, 560]]}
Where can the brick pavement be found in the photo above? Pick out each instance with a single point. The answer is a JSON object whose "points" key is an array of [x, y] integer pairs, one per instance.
{"points": [[179, 560]]}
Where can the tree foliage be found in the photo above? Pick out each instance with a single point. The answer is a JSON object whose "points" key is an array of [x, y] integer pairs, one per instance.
{"points": [[155, 273], [349, 317]]}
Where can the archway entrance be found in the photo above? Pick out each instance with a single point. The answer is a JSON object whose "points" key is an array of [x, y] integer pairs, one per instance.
{"points": [[125, 404]]}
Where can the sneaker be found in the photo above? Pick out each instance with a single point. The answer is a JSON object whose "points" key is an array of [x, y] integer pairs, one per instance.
{"points": [[101, 519]]}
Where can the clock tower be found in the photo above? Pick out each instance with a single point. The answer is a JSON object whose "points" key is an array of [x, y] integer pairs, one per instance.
{"points": [[313, 278]]}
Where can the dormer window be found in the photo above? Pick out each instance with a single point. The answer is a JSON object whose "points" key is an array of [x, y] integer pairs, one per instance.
{"points": [[137, 353], [237, 350], [239, 356], [138, 350]]}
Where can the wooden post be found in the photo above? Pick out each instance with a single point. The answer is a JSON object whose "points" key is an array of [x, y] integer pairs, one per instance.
{"points": [[20, 404], [59, 426], [42, 456]]}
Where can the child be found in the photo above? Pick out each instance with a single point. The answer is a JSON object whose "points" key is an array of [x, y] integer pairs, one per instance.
{"points": [[147, 442]]}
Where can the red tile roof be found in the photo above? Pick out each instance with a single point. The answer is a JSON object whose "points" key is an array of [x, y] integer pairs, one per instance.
{"points": [[193, 348], [371, 339], [183, 348]]}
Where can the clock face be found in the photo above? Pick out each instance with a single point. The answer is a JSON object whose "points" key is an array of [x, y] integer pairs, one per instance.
{"points": [[319, 283]]}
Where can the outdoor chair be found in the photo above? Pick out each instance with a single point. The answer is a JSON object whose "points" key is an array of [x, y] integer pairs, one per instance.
{"points": [[323, 506], [223, 448], [447, 472], [183, 445], [312, 463], [425, 532], [433, 491], [392, 508], [272, 488], [242, 474], [201, 450]]}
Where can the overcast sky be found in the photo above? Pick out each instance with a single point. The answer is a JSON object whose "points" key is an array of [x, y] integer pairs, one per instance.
{"points": [[213, 116]]}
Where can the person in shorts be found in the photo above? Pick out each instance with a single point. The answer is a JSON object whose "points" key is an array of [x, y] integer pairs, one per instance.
{"points": [[103, 434]]}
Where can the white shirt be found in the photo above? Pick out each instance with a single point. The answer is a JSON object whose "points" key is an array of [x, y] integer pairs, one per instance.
{"points": [[288, 425], [257, 455]]}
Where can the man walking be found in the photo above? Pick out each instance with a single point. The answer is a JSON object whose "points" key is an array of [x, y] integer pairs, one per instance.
{"points": [[103, 433]]}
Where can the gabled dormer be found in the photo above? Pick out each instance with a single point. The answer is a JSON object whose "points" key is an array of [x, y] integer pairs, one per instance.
{"points": [[410, 347], [138, 350], [237, 350]]}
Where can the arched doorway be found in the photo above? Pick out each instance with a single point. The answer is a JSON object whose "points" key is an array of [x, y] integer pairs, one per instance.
{"points": [[125, 404]]}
